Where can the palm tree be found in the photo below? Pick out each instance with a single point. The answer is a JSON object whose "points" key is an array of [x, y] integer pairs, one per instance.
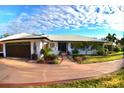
{"points": [[111, 38]]}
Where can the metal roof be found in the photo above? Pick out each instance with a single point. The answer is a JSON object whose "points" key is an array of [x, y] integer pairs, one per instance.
{"points": [[21, 36], [16, 36], [72, 38], [51, 37]]}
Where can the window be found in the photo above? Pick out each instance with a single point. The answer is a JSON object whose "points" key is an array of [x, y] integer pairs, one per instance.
{"points": [[52, 44], [45, 46]]}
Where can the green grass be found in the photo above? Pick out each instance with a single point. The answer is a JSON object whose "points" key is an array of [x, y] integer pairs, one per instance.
{"points": [[96, 59], [114, 80]]}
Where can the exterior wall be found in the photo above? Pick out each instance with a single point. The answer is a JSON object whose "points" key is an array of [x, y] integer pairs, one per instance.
{"points": [[54, 48], [69, 49], [39, 46]]}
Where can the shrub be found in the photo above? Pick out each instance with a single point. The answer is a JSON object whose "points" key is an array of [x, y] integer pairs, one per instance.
{"points": [[79, 58], [102, 52], [68, 53], [117, 49], [122, 49], [56, 61], [41, 60], [110, 52], [75, 52], [106, 50], [109, 47], [50, 57], [46, 51], [53, 61], [34, 56]]}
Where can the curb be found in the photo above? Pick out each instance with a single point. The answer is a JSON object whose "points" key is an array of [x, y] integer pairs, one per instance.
{"points": [[41, 83]]}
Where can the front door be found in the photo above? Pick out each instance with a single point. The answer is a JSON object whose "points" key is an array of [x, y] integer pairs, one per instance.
{"points": [[62, 47]]}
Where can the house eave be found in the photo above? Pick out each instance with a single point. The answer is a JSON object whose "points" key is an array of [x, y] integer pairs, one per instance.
{"points": [[19, 39], [76, 41]]}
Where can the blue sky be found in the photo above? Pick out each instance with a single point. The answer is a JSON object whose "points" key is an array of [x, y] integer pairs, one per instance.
{"points": [[8, 13], [95, 21]]}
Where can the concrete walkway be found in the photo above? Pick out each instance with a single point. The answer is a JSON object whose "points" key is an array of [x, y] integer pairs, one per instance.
{"points": [[20, 71]]}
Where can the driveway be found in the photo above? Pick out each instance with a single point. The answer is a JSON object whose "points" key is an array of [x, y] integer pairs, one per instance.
{"points": [[22, 71]]}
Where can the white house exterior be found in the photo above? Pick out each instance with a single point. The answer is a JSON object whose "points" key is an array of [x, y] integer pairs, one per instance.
{"points": [[24, 45]]}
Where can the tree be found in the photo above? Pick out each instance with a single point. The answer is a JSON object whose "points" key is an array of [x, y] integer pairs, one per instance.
{"points": [[111, 38], [122, 41], [6, 34]]}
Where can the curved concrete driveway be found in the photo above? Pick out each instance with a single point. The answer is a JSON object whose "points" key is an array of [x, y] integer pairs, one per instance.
{"points": [[16, 71]]}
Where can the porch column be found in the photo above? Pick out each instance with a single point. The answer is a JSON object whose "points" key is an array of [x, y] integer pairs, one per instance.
{"points": [[39, 47], [32, 48], [69, 47], [4, 50], [103, 45]]}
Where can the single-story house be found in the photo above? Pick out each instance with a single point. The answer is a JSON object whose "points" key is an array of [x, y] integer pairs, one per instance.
{"points": [[24, 45]]}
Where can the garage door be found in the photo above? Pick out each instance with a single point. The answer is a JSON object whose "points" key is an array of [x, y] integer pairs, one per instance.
{"points": [[18, 50]]}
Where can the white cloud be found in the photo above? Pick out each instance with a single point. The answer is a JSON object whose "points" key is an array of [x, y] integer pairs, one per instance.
{"points": [[116, 21], [70, 17]]}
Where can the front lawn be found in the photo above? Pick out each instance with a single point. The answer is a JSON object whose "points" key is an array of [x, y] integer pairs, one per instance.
{"points": [[96, 59], [114, 80]]}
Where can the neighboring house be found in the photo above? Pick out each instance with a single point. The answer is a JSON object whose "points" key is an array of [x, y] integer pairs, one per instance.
{"points": [[24, 45]]}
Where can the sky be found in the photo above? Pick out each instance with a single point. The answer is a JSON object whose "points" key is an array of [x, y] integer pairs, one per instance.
{"points": [[90, 20]]}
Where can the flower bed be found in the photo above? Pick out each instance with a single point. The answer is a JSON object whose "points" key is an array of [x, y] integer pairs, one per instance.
{"points": [[51, 59], [78, 58], [81, 59]]}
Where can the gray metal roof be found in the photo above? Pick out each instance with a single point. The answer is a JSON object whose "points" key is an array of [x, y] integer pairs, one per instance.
{"points": [[21, 36], [16, 36], [71, 38], [51, 37]]}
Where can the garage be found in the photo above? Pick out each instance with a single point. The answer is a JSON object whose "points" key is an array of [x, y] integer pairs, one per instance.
{"points": [[21, 50]]}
